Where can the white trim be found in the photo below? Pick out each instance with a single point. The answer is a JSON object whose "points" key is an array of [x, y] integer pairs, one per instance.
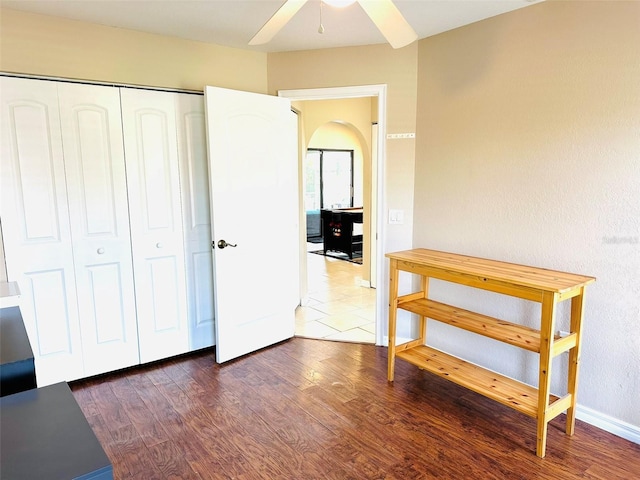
{"points": [[399, 340], [335, 93], [588, 415], [101, 83], [380, 91], [608, 423]]}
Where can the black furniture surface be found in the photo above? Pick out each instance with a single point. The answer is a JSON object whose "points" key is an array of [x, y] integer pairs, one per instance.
{"points": [[46, 436], [337, 230], [17, 367]]}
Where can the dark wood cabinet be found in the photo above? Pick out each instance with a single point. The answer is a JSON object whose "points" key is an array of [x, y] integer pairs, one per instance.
{"points": [[337, 230]]}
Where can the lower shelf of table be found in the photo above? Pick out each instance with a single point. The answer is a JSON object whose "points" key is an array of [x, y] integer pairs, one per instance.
{"points": [[505, 390]]}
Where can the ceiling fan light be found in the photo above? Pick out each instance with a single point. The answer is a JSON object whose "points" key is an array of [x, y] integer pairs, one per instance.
{"points": [[339, 3]]}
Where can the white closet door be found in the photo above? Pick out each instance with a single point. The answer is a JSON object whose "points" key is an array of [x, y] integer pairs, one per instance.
{"points": [[97, 191], [194, 180], [153, 185], [35, 223]]}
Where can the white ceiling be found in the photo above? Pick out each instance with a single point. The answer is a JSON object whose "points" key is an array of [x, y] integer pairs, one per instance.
{"points": [[233, 23]]}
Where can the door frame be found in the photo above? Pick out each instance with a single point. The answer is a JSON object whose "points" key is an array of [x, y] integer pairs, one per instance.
{"points": [[338, 93]]}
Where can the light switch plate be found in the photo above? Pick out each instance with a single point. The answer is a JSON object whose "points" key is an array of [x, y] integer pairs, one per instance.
{"points": [[396, 217]]}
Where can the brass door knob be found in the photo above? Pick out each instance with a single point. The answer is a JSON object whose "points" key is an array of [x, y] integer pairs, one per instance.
{"points": [[223, 244]]}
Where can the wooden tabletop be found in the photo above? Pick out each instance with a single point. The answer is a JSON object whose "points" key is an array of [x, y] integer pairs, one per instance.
{"points": [[539, 278]]}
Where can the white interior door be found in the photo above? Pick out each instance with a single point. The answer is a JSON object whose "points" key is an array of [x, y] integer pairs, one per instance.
{"points": [[35, 223], [253, 171], [149, 127], [97, 193], [194, 186]]}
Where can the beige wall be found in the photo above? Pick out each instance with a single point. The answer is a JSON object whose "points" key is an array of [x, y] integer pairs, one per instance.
{"points": [[528, 150], [352, 111], [50, 46]]}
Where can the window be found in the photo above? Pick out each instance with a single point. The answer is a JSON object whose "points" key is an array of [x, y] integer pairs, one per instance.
{"points": [[328, 179]]}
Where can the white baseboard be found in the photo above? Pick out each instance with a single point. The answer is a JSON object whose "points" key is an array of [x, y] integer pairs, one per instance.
{"points": [[588, 415], [399, 340], [608, 423]]}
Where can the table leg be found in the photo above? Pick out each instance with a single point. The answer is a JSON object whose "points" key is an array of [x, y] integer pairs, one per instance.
{"points": [[547, 324], [393, 312], [577, 311], [424, 288]]}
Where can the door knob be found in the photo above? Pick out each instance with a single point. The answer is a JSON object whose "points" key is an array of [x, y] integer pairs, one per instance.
{"points": [[100, 251], [223, 243]]}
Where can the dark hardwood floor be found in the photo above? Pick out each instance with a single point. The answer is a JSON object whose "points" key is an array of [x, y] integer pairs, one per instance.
{"points": [[315, 409]]}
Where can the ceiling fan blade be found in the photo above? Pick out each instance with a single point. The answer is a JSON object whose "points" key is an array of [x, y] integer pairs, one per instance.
{"points": [[277, 21], [390, 22]]}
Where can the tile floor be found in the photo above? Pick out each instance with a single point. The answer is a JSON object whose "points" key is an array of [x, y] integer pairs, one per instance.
{"points": [[339, 308]]}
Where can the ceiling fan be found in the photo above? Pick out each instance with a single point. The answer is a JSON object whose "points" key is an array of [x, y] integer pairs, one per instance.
{"points": [[384, 14]]}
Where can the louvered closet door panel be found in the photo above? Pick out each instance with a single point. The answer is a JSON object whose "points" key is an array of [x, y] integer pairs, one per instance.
{"points": [[35, 225], [96, 186], [153, 185], [194, 179]]}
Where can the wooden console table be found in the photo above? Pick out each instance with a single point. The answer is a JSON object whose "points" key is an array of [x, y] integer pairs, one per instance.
{"points": [[547, 287]]}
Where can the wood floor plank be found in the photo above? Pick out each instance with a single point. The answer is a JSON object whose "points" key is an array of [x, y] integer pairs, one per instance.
{"points": [[86, 403], [151, 433], [109, 406], [106, 439], [312, 409], [170, 460], [133, 454]]}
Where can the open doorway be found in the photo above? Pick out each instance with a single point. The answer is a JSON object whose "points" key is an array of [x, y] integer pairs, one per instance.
{"points": [[370, 139], [329, 182], [338, 157]]}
